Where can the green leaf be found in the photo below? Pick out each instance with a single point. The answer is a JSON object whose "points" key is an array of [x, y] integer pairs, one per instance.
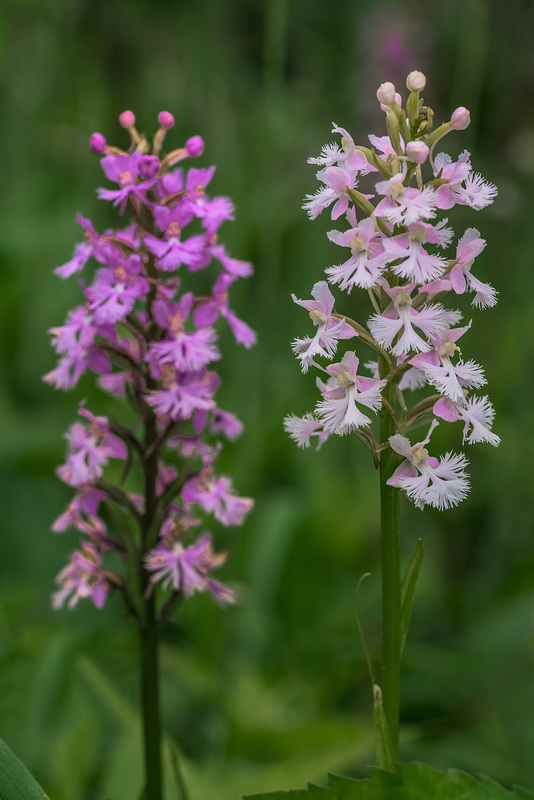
{"points": [[174, 757], [16, 783], [409, 582], [48, 693], [366, 653], [125, 776], [380, 165], [415, 782], [384, 747]]}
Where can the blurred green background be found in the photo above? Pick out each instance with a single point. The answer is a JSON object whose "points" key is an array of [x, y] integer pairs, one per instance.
{"points": [[274, 692]]}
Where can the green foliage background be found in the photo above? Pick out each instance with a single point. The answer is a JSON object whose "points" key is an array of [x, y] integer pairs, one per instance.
{"points": [[273, 693]]}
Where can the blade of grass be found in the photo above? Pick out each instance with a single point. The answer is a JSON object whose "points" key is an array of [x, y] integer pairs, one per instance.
{"points": [[409, 583], [372, 673], [16, 783]]}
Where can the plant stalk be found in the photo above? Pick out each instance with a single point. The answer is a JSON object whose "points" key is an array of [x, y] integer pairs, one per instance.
{"points": [[150, 703], [391, 575], [148, 628]]}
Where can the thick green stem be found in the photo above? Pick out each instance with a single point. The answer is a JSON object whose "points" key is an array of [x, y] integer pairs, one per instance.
{"points": [[391, 576], [150, 704]]}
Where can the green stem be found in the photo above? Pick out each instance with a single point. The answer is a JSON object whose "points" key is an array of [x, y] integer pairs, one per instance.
{"points": [[150, 703], [391, 575], [149, 628], [143, 593]]}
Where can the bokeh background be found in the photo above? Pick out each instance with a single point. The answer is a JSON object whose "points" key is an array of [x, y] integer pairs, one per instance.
{"points": [[274, 692]]}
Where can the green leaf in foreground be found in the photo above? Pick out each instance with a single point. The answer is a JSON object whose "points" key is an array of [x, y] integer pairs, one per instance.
{"points": [[16, 783], [415, 782]]}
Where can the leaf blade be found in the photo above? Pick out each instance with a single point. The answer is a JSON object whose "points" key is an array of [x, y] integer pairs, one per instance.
{"points": [[408, 586], [414, 782], [16, 783]]}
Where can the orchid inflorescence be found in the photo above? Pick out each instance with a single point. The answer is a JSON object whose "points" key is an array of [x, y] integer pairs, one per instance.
{"points": [[392, 236], [150, 338]]}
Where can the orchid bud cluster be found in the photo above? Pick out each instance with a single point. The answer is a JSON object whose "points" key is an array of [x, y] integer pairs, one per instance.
{"points": [[149, 336], [396, 243]]}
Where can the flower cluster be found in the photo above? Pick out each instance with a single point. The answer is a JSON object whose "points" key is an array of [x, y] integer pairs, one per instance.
{"points": [[149, 336], [397, 253]]}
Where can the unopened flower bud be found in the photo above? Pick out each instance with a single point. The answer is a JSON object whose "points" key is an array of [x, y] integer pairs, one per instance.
{"points": [[97, 143], [386, 94], [416, 81], [148, 167], [166, 120], [398, 100], [460, 119], [195, 146], [127, 119], [417, 152]]}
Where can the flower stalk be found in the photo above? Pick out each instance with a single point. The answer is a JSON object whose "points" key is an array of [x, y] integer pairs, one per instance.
{"points": [[148, 627], [149, 337], [150, 704], [391, 580], [391, 239]]}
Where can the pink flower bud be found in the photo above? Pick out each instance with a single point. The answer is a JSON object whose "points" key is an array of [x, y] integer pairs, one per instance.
{"points": [[97, 143], [398, 100], [415, 81], [386, 94], [148, 167], [166, 120], [417, 152], [460, 119], [195, 146], [127, 119]]}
